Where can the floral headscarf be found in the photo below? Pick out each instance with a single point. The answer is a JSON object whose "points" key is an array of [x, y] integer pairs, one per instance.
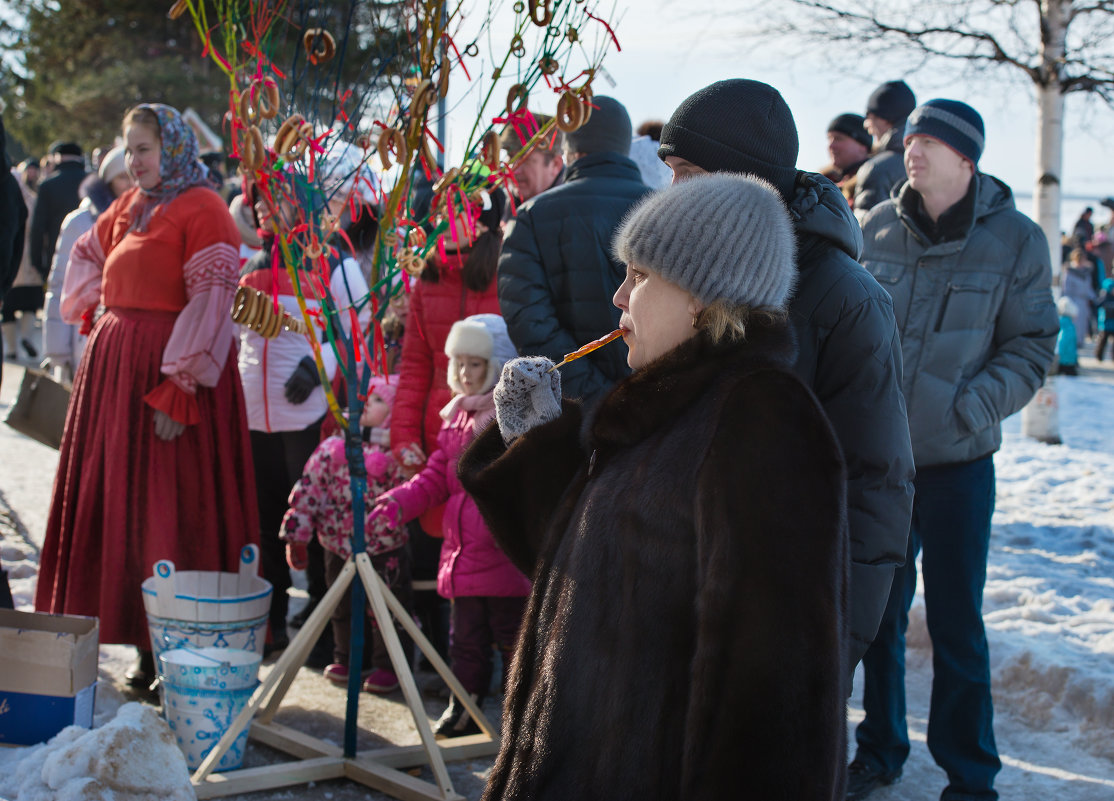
{"points": [[179, 167]]}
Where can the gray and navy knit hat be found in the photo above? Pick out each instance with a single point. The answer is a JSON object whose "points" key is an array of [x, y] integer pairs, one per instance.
{"points": [[737, 125], [721, 236], [955, 124]]}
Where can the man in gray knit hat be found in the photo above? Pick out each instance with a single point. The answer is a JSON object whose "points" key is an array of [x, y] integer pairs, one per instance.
{"points": [[556, 271], [844, 321]]}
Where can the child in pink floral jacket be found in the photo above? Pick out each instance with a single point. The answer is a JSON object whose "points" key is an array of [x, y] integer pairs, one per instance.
{"points": [[321, 504]]}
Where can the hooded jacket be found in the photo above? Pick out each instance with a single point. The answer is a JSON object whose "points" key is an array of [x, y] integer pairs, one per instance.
{"points": [[977, 321], [685, 629], [882, 173], [557, 274], [850, 356]]}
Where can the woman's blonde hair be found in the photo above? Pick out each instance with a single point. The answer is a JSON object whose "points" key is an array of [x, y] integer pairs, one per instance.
{"points": [[727, 322], [138, 115]]}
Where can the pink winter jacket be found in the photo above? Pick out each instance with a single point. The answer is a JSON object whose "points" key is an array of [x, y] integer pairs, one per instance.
{"points": [[472, 565]]}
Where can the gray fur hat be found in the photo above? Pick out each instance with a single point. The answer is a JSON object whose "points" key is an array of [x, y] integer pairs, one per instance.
{"points": [[719, 236]]}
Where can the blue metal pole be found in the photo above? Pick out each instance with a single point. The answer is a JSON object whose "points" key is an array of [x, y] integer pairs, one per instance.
{"points": [[357, 471]]}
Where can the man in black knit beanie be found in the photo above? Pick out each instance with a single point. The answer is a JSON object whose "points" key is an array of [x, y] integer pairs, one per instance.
{"points": [[849, 353]]}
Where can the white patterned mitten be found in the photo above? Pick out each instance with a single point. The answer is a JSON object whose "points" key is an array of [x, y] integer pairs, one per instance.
{"points": [[526, 396]]}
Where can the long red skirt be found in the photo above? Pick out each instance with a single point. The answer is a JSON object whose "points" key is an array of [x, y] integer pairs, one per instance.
{"points": [[124, 499]]}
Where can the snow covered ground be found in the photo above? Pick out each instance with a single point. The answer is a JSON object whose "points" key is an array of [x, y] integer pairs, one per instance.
{"points": [[1049, 609]]}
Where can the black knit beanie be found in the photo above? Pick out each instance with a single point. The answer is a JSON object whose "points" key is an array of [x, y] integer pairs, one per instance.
{"points": [[893, 101], [608, 130], [851, 125], [736, 125]]}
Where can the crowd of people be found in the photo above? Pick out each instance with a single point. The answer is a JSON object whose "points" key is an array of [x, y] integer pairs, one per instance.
{"points": [[678, 551]]}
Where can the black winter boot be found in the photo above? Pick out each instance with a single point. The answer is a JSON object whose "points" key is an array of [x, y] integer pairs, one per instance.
{"points": [[455, 720]]}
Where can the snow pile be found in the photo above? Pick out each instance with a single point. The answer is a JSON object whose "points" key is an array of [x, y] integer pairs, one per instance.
{"points": [[1049, 601], [1048, 605], [133, 757], [22, 564]]}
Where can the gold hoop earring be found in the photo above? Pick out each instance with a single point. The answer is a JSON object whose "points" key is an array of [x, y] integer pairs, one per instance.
{"points": [[695, 317]]}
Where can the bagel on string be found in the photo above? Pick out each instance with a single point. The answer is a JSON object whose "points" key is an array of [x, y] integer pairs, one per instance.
{"points": [[287, 134], [249, 111], [253, 153], [543, 19], [424, 96], [446, 180], [443, 77], [570, 112], [548, 65], [417, 238], [256, 310], [178, 9], [490, 151], [391, 142], [411, 263], [320, 45], [586, 102], [517, 93], [268, 99]]}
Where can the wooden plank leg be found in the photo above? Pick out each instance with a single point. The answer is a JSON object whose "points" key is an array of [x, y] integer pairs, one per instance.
{"points": [[291, 741], [287, 664], [269, 777], [298, 651], [376, 591], [470, 746], [395, 783], [443, 670]]}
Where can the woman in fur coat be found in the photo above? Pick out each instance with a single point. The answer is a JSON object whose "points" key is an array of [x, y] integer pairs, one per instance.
{"points": [[686, 537]]}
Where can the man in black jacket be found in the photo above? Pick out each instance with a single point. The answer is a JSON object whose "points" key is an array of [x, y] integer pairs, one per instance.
{"points": [[13, 223], [556, 271], [850, 355], [884, 171], [57, 198]]}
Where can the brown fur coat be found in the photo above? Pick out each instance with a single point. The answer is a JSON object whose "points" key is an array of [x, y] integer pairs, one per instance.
{"points": [[688, 545]]}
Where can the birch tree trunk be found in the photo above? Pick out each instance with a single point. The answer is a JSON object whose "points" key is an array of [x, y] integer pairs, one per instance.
{"points": [[1050, 125]]}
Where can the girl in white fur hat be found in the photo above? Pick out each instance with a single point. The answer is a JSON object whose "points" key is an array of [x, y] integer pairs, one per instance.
{"points": [[488, 593]]}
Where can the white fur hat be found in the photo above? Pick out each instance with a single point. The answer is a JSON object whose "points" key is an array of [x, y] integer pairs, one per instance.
{"points": [[112, 164], [482, 335]]}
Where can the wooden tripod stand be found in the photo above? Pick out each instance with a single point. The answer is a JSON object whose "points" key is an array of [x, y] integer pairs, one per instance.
{"points": [[380, 769]]}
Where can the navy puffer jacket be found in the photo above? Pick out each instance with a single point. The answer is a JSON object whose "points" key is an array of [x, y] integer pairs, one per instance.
{"points": [[557, 275], [850, 356]]}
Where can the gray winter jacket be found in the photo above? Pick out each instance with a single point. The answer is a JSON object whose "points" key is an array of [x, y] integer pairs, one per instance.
{"points": [[882, 173], [977, 321], [850, 356]]}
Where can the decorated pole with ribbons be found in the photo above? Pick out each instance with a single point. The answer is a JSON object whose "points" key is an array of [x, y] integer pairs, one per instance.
{"points": [[329, 112]]}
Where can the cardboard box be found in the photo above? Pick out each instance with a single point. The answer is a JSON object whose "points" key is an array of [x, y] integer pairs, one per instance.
{"points": [[48, 674]]}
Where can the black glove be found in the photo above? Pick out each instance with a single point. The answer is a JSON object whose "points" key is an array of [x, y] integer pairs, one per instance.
{"points": [[302, 382]]}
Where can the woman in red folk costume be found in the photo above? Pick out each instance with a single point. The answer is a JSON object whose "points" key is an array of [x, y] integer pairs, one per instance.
{"points": [[155, 461]]}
